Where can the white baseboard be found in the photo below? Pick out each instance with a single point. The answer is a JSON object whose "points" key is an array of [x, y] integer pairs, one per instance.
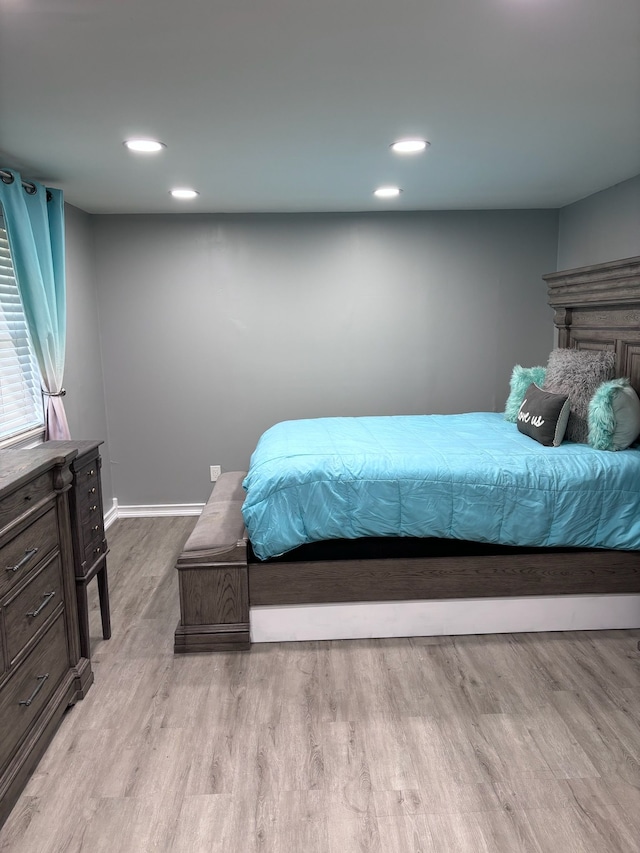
{"points": [[111, 515], [440, 618], [158, 510]]}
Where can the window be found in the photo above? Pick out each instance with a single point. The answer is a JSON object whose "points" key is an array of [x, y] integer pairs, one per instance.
{"points": [[21, 409]]}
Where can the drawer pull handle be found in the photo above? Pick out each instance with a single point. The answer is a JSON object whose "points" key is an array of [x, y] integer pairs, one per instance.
{"points": [[96, 527], [90, 473], [93, 508], [47, 598], [92, 491], [28, 554], [97, 550], [41, 680]]}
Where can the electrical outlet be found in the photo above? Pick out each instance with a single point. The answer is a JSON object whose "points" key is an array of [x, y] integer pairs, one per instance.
{"points": [[215, 472]]}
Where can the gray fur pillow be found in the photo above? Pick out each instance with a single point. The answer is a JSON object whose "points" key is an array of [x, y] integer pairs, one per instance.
{"points": [[578, 373]]}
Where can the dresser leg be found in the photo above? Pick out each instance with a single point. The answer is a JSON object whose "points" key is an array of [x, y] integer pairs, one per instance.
{"points": [[103, 593], [83, 618]]}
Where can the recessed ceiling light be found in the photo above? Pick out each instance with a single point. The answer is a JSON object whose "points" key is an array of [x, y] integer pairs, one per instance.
{"points": [[144, 146], [409, 146], [183, 192], [387, 192]]}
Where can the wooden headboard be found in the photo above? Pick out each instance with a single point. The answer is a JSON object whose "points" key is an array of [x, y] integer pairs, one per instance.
{"points": [[598, 308]]}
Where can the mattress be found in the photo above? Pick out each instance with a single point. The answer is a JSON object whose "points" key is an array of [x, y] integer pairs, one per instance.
{"points": [[470, 476]]}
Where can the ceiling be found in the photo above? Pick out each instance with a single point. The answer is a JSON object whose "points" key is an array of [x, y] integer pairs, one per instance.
{"points": [[291, 105]]}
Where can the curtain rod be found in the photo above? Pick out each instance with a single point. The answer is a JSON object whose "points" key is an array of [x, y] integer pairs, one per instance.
{"points": [[7, 178]]}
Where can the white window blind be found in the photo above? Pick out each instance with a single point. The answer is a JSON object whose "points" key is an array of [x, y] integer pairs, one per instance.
{"points": [[21, 409]]}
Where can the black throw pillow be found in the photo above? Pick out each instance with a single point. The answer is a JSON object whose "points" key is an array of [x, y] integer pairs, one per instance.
{"points": [[543, 415]]}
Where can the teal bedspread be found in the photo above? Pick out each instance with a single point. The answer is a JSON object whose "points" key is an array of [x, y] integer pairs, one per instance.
{"points": [[470, 476]]}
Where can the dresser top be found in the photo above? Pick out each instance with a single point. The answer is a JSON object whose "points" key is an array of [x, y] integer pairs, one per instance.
{"points": [[21, 466], [82, 447]]}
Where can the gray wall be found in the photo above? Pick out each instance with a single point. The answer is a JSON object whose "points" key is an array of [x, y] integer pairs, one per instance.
{"points": [[216, 327], [603, 227], [83, 379]]}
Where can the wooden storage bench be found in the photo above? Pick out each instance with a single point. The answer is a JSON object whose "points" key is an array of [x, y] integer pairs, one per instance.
{"points": [[213, 575]]}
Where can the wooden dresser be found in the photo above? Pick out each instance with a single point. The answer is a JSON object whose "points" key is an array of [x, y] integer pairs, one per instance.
{"points": [[42, 670], [87, 530]]}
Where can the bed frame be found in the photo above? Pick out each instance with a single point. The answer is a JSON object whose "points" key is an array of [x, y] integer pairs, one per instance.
{"points": [[597, 308]]}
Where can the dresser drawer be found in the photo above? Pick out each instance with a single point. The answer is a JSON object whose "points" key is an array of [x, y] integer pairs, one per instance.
{"points": [[88, 495], [94, 550], [89, 472], [18, 502], [91, 537], [90, 512], [28, 610], [31, 686], [93, 533], [26, 549], [87, 485]]}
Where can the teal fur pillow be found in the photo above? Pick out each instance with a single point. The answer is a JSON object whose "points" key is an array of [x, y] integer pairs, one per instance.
{"points": [[614, 416], [521, 378]]}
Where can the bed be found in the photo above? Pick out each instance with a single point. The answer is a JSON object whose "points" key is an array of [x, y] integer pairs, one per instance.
{"points": [[222, 575]]}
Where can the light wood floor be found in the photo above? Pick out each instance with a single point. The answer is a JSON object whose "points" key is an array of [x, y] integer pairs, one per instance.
{"points": [[504, 743]]}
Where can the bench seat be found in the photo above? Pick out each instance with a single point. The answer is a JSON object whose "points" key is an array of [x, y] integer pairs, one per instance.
{"points": [[213, 574]]}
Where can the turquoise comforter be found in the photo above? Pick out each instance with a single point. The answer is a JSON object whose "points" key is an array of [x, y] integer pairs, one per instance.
{"points": [[469, 476]]}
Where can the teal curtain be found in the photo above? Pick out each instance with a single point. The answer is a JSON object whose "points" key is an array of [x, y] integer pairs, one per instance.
{"points": [[34, 219]]}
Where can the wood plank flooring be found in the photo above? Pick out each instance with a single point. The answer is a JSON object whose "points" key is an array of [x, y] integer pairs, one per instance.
{"points": [[525, 743]]}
